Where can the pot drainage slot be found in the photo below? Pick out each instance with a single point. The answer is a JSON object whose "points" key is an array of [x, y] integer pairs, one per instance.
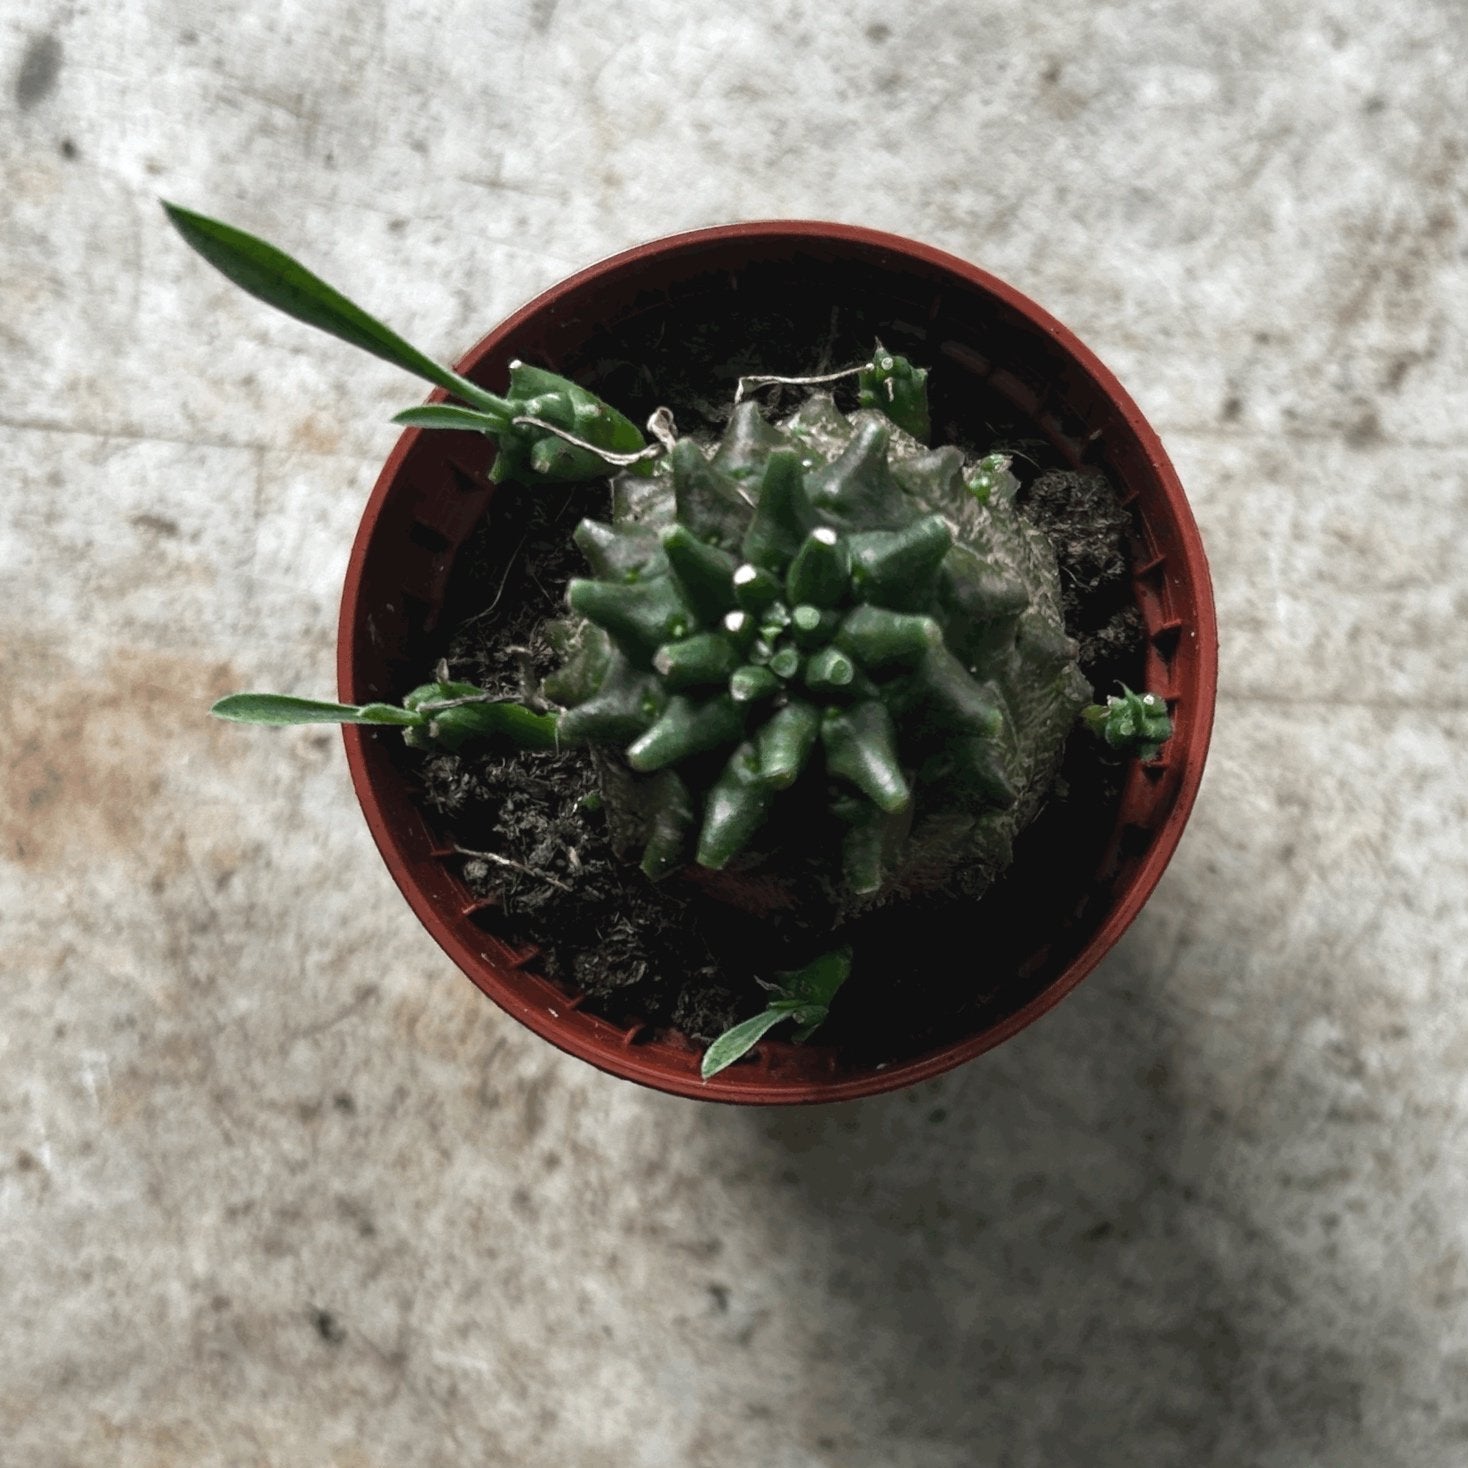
{"points": [[1165, 639], [429, 539]]}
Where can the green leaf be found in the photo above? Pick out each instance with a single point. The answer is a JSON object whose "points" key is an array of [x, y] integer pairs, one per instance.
{"points": [[803, 996], [270, 275], [740, 1040], [445, 415], [280, 708], [505, 721], [817, 983]]}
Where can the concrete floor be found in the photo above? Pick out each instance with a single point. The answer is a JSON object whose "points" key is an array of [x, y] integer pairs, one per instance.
{"points": [[278, 1188]]}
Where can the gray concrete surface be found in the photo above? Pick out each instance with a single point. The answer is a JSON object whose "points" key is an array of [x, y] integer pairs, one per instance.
{"points": [[277, 1188]]}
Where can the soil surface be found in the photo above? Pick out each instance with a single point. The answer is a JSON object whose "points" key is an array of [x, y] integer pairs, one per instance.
{"points": [[537, 843]]}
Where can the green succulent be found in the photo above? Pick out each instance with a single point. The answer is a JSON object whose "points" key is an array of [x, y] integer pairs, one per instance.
{"points": [[821, 608], [893, 386], [807, 636], [1136, 723]]}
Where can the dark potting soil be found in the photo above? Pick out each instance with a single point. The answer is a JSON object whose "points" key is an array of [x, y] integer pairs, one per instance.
{"points": [[671, 955]]}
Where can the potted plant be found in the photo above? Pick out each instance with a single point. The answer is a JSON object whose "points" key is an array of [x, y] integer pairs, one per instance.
{"points": [[826, 675]]}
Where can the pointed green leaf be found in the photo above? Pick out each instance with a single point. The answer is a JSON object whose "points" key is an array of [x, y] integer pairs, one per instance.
{"points": [[270, 275], [879, 637], [785, 743], [446, 415], [821, 570], [895, 568], [706, 657], [625, 704], [817, 983], [857, 491], [686, 728], [279, 709], [617, 552], [751, 684], [670, 825], [782, 515], [704, 571], [739, 1041]]}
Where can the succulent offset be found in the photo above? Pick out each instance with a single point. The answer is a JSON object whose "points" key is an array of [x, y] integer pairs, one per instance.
{"points": [[1136, 723]]}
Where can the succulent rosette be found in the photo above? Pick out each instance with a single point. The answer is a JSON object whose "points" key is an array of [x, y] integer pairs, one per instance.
{"points": [[821, 635]]}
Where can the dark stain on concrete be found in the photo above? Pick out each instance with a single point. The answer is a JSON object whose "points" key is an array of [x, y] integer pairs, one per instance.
{"points": [[39, 69], [1157, 1076], [155, 524], [328, 1327], [877, 32], [533, 1107], [1364, 429], [47, 790]]}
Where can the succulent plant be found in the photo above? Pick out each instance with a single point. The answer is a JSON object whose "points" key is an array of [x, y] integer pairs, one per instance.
{"points": [[1136, 723], [808, 637], [826, 608]]}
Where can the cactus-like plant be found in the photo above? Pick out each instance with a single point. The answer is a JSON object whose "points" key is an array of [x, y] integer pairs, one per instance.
{"points": [[823, 608], [808, 638]]}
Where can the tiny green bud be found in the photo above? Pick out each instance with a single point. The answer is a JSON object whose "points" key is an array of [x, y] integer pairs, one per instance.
{"points": [[900, 390], [1133, 722]]}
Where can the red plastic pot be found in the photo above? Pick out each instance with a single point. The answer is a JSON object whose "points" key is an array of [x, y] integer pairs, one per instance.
{"points": [[983, 339]]}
